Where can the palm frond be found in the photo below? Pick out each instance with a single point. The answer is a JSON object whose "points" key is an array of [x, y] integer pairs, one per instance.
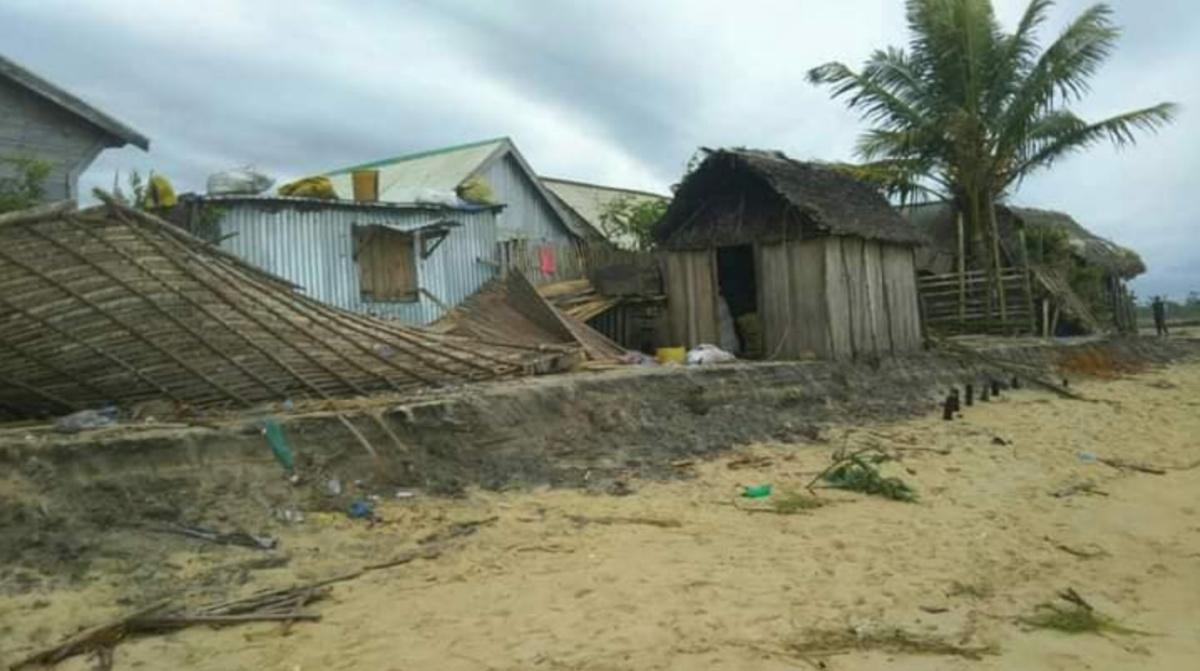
{"points": [[1016, 55], [874, 101], [1062, 133], [1062, 73]]}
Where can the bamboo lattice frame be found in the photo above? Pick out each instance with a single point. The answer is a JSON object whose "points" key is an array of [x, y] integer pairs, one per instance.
{"points": [[112, 304]]}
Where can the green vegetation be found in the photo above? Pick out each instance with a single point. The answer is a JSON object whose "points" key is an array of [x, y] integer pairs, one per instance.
{"points": [[860, 473], [1076, 617], [634, 219], [968, 111], [22, 182]]}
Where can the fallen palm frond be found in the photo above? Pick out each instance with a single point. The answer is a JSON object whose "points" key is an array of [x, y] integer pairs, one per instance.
{"points": [[859, 472], [823, 643], [1076, 617], [272, 605]]}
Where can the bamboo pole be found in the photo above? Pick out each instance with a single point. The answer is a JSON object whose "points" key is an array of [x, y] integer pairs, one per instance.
{"points": [[1028, 279], [962, 269], [1000, 292]]}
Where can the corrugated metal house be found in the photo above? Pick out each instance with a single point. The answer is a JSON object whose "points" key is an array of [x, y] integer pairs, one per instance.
{"points": [[410, 262], [530, 213], [588, 204], [41, 121], [808, 261]]}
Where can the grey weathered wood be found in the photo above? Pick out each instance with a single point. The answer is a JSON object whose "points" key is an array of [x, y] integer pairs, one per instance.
{"points": [[40, 121], [837, 298]]}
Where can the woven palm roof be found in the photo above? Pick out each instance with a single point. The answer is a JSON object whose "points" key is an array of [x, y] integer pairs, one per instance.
{"points": [[937, 221], [113, 305], [830, 201]]}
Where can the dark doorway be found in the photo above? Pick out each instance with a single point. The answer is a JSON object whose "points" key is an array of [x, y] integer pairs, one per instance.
{"points": [[738, 284]]}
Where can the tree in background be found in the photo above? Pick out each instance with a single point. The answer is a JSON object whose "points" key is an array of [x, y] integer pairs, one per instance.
{"points": [[23, 182], [968, 111], [632, 219]]}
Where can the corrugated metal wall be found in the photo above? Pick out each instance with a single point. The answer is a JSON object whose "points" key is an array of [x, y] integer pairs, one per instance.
{"points": [[526, 215], [313, 247]]}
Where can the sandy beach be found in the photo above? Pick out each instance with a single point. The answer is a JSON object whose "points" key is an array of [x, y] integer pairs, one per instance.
{"points": [[688, 575]]}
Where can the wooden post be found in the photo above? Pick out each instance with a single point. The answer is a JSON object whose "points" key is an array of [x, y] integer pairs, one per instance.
{"points": [[991, 214], [1028, 280], [962, 273]]}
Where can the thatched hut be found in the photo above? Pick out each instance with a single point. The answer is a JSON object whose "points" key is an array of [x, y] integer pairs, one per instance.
{"points": [[1077, 280], [814, 260]]}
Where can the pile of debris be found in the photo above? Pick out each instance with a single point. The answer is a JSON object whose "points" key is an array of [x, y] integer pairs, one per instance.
{"points": [[579, 299], [112, 305], [511, 312]]}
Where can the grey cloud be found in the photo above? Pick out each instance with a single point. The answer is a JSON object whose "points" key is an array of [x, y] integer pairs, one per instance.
{"points": [[620, 91]]}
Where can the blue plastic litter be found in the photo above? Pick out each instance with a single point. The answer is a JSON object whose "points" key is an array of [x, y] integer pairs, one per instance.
{"points": [[361, 509]]}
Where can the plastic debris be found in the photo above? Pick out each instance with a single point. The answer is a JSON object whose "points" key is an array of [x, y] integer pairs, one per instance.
{"points": [[1087, 457], [242, 181], [310, 187], [756, 491], [279, 445], [708, 354], [333, 487], [85, 420], [361, 510]]}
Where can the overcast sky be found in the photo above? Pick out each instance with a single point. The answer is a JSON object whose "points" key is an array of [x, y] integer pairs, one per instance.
{"points": [[619, 92]]}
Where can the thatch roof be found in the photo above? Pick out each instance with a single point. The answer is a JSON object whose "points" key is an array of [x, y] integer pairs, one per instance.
{"points": [[772, 196], [112, 305], [937, 222], [1087, 246]]}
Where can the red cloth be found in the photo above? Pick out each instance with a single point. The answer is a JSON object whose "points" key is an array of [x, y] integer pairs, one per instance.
{"points": [[546, 260]]}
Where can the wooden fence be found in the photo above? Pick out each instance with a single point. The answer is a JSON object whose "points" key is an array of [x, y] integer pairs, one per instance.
{"points": [[968, 303]]}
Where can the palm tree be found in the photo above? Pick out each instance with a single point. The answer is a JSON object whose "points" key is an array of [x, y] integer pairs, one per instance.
{"points": [[968, 111]]}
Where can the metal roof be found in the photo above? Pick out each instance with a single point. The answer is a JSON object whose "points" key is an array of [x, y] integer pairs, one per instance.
{"points": [[591, 201], [444, 170], [19, 75], [340, 203], [440, 169]]}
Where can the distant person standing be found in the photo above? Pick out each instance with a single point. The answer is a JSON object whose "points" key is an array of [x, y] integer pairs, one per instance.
{"points": [[1159, 308]]}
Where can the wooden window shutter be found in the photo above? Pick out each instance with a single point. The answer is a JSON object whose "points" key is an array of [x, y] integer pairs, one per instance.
{"points": [[387, 264]]}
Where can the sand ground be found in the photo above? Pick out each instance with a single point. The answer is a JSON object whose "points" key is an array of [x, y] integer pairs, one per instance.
{"points": [[681, 575]]}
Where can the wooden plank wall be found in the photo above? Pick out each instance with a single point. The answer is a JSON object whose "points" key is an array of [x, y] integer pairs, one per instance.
{"points": [[792, 300], [871, 293], [877, 307], [838, 300], [832, 297], [691, 285], [901, 298]]}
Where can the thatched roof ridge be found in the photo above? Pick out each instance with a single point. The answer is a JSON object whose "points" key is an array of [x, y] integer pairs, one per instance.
{"points": [[1088, 246], [829, 201], [936, 220]]}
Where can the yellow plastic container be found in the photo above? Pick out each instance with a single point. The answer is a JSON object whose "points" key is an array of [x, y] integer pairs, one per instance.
{"points": [[671, 355]]}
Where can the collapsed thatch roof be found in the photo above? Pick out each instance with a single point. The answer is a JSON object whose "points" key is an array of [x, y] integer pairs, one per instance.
{"points": [[112, 305], [1087, 246], [784, 198], [937, 222]]}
